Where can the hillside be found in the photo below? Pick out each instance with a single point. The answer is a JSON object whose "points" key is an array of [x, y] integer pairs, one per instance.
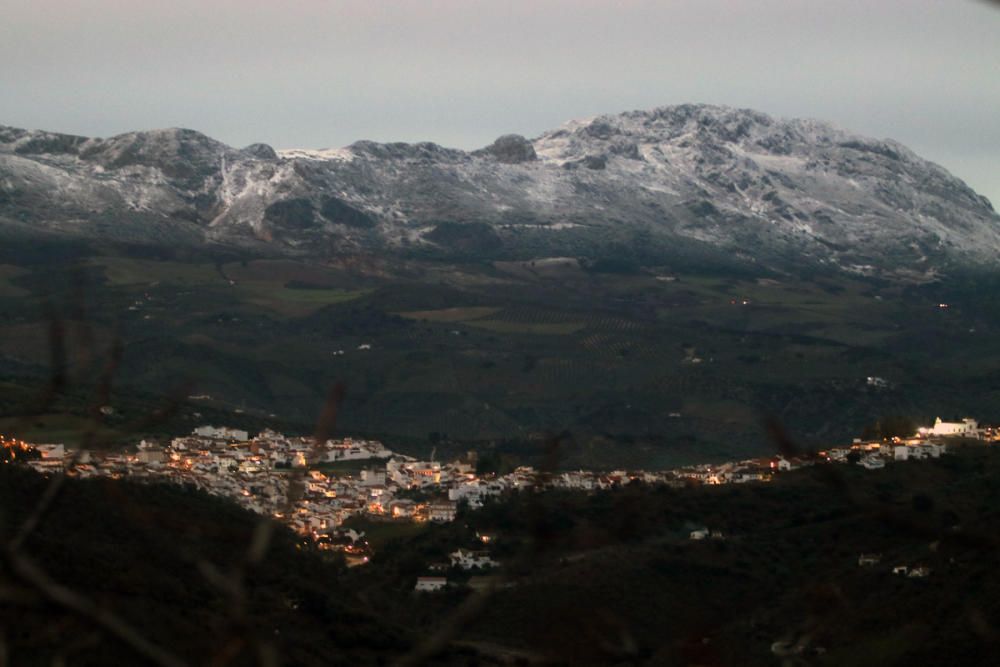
{"points": [[162, 558], [613, 578]]}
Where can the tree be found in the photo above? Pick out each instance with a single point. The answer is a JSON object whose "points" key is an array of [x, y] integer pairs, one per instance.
{"points": [[891, 426]]}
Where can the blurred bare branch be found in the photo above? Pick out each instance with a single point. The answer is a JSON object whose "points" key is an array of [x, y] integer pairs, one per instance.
{"points": [[327, 421], [30, 524], [29, 572]]}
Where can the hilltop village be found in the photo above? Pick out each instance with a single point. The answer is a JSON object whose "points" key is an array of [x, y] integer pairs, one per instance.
{"points": [[314, 487]]}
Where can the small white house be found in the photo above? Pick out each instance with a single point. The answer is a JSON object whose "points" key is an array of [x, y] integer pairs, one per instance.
{"points": [[151, 455], [373, 477], [441, 512], [468, 560], [474, 493], [933, 449], [51, 452], [402, 508], [430, 584], [699, 534], [872, 462]]}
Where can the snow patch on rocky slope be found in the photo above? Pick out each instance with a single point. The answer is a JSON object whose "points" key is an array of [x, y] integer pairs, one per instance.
{"points": [[731, 180]]}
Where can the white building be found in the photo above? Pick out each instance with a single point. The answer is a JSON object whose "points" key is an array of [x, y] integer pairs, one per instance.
{"points": [[373, 477], [402, 508], [151, 455], [51, 452], [967, 428], [872, 462], [467, 559], [476, 492], [441, 512], [222, 433], [935, 450], [921, 450], [429, 584]]}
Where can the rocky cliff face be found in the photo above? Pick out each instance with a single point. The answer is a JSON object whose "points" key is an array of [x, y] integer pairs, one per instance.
{"points": [[668, 183]]}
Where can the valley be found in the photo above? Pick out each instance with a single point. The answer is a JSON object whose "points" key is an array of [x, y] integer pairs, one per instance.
{"points": [[644, 366]]}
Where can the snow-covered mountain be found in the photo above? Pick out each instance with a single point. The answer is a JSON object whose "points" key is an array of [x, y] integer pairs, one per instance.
{"points": [[673, 182]]}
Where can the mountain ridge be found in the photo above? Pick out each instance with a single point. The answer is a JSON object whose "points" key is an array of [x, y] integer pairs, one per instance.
{"points": [[663, 184]]}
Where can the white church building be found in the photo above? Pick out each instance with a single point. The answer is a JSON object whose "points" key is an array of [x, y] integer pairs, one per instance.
{"points": [[968, 428]]}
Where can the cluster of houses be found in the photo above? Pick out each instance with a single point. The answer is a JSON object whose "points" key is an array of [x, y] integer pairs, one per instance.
{"points": [[270, 474], [468, 560], [927, 443], [294, 479]]}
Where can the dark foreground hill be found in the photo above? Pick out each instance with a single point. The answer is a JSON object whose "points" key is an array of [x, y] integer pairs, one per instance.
{"points": [[613, 578], [165, 560], [605, 578]]}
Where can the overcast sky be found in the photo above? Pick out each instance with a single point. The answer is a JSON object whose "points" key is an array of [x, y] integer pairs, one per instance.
{"points": [[320, 73]]}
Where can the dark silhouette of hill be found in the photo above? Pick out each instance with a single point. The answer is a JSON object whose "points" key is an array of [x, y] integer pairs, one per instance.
{"points": [[613, 578], [175, 565]]}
